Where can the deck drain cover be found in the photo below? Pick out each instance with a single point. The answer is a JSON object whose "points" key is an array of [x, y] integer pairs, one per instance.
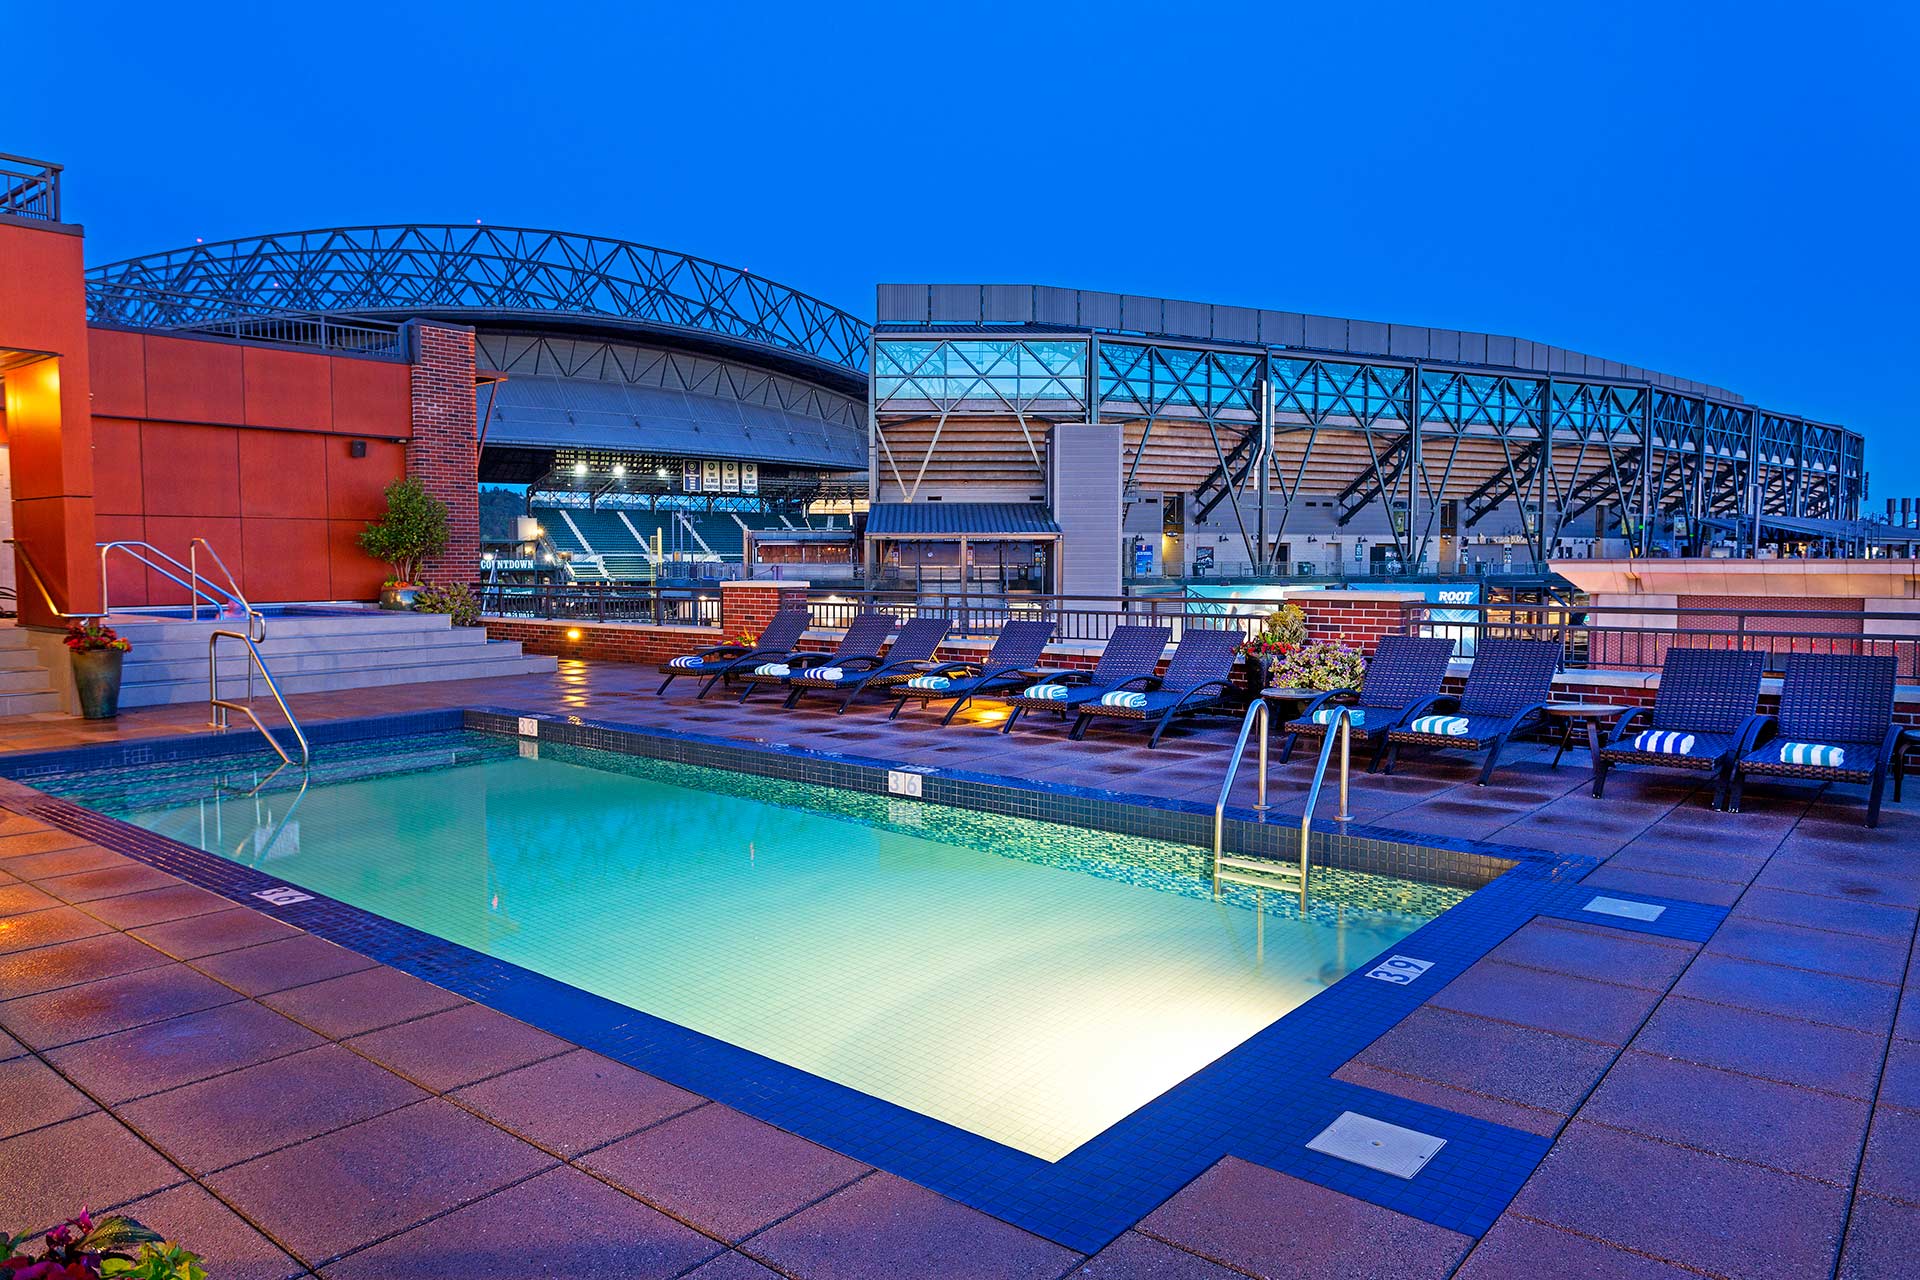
{"points": [[1376, 1144], [1627, 910]]}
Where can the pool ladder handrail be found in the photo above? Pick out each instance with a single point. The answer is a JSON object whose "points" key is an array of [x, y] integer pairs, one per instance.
{"points": [[256, 632], [1263, 873]]}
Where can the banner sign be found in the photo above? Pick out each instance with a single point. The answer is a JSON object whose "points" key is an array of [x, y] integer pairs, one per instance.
{"points": [[690, 476]]}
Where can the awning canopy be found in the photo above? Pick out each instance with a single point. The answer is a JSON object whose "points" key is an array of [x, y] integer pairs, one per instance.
{"points": [[960, 520]]}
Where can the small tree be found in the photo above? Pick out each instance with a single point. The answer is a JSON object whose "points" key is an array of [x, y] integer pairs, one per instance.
{"points": [[414, 529]]}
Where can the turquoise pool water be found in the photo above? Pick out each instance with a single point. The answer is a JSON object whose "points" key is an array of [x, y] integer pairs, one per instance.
{"points": [[1029, 982]]}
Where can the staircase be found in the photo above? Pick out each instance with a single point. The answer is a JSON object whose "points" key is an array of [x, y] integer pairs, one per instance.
{"points": [[24, 684], [308, 653]]}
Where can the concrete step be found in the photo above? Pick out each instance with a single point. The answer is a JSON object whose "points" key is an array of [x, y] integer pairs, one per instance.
{"points": [[234, 660], [487, 664], [22, 704], [175, 648], [32, 679]]}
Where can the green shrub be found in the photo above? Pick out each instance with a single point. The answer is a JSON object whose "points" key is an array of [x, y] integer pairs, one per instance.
{"points": [[415, 528], [455, 600]]}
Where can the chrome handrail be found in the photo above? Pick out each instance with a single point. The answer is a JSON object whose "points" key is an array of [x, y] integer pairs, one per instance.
{"points": [[145, 554], [46, 592], [218, 706], [256, 621], [1342, 723]]}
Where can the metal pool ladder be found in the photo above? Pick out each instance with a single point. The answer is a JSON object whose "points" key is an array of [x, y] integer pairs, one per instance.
{"points": [[1265, 873], [256, 631]]}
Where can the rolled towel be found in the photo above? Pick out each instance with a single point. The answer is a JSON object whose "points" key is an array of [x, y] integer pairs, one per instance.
{"points": [[1047, 692], [1325, 715], [773, 669], [687, 661], [1123, 698], [1818, 754], [929, 682], [1663, 742], [824, 673], [1442, 726]]}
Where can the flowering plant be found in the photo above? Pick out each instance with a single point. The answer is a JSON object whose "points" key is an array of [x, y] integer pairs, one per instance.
{"points": [[81, 1248], [1284, 631], [745, 639], [91, 635], [1320, 665]]}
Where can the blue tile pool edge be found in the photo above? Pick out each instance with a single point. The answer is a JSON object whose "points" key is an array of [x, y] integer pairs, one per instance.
{"points": [[1096, 1192]]}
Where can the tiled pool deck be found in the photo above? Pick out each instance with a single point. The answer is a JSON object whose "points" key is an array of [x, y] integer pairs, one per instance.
{"points": [[1743, 1108]]}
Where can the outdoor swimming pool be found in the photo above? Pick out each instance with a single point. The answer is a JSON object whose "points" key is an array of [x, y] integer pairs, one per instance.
{"points": [[1029, 982]]}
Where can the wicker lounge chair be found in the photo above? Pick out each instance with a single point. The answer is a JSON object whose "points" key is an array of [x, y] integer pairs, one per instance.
{"points": [[1130, 651], [866, 635], [1196, 680], [1015, 650], [776, 640], [1704, 713], [911, 652], [1841, 703], [1510, 682], [1405, 672]]}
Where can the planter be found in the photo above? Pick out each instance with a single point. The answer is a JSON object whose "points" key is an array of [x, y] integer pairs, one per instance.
{"points": [[96, 678], [398, 597]]}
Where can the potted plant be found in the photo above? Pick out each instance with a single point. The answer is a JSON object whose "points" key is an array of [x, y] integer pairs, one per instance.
{"points": [[98, 654], [1320, 666], [415, 528], [84, 1247], [1284, 631]]}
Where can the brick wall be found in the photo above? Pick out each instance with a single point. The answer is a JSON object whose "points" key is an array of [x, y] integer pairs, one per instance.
{"points": [[1358, 624], [747, 607], [444, 453]]}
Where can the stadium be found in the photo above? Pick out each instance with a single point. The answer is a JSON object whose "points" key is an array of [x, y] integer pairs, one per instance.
{"points": [[639, 415]]}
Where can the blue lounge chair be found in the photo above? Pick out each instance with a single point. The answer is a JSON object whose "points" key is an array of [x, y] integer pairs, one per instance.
{"points": [[1015, 652], [1405, 672], [911, 653], [1196, 680], [1511, 680], [865, 636], [1835, 724], [1702, 716], [1131, 651], [776, 640]]}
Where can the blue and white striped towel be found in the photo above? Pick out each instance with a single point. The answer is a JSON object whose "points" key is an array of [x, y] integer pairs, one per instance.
{"points": [[1123, 698], [929, 682], [824, 673], [1444, 726], [773, 669], [1663, 742], [687, 661], [1813, 753], [1325, 715], [1049, 692]]}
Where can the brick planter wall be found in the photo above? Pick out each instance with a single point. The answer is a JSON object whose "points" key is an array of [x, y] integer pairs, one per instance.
{"points": [[444, 454], [749, 606]]}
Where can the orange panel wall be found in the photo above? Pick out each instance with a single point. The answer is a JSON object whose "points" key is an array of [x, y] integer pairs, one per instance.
{"points": [[251, 448]]}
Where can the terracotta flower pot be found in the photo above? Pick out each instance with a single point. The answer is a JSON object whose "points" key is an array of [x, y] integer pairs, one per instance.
{"points": [[96, 678]]}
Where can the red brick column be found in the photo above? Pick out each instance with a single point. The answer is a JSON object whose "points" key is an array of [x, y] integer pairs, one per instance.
{"points": [[1356, 619], [444, 453], [748, 606]]}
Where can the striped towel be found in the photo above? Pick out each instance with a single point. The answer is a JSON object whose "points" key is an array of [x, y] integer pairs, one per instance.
{"points": [[686, 662], [824, 673], [1663, 742], [929, 682], [1443, 726], [1048, 692], [1123, 698], [773, 669], [1818, 754], [1325, 715]]}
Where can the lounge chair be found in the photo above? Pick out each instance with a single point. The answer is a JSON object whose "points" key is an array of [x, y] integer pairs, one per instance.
{"points": [[864, 638], [1835, 724], [911, 652], [1015, 651], [1131, 651], [1196, 680], [775, 641], [1511, 680], [1700, 719], [1405, 672]]}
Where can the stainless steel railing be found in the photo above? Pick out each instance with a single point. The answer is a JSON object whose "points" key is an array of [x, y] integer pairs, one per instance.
{"points": [[1263, 873]]}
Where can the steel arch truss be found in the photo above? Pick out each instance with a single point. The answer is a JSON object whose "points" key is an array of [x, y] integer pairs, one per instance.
{"points": [[476, 271]]}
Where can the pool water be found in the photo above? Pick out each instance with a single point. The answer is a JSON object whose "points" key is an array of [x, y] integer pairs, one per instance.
{"points": [[1029, 982]]}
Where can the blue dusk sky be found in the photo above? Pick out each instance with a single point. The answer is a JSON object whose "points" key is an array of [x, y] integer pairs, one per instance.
{"points": [[1721, 191]]}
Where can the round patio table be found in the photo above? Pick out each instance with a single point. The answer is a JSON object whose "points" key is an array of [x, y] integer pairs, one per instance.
{"points": [[1592, 714]]}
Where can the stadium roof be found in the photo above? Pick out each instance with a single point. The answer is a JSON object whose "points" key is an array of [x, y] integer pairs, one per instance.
{"points": [[960, 519]]}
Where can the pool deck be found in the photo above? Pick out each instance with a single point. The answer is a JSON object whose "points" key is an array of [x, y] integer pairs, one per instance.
{"points": [[1749, 1107]]}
